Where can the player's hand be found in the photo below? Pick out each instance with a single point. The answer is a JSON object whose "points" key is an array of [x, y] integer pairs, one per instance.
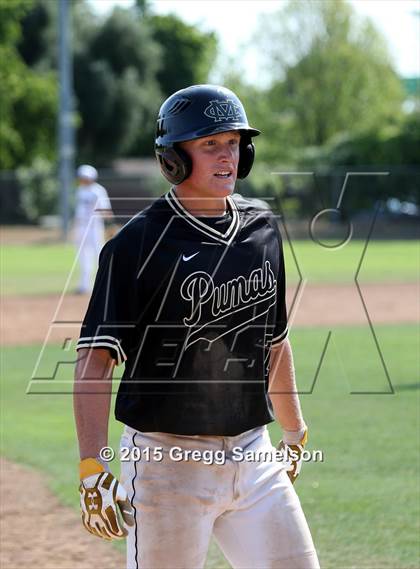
{"points": [[103, 499], [293, 455]]}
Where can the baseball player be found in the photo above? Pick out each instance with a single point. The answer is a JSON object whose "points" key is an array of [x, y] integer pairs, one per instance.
{"points": [[92, 203], [190, 295]]}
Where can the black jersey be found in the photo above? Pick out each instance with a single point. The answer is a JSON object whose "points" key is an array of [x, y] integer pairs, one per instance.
{"points": [[192, 306]]}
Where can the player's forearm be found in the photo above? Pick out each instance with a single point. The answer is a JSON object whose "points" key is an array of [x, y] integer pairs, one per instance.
{"points": [[283, 390], [92, 398]]}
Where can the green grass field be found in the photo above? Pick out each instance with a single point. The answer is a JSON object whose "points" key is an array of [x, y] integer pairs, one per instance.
{"points": [[360, 502], [37, 269], [43, 269]]}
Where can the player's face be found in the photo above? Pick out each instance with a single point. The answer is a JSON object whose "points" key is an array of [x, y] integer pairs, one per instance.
{"points": [[85, 181], [214, 164]]}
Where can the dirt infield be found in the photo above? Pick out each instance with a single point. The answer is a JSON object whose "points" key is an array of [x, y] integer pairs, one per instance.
{"points": [[37, 532], [26, 320]]}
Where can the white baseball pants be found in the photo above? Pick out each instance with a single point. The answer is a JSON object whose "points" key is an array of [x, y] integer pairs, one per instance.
{"points": [[89, 242], [250, 507]]}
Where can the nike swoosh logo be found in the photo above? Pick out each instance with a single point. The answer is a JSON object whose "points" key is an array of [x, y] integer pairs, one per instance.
{"points": [[184, 258]]}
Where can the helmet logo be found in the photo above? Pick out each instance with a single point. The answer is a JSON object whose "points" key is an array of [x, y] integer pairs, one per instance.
{"points": [[223, 111]]}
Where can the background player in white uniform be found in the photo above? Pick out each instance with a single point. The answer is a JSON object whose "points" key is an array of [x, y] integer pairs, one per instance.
{"points": [[191, 296], [92, 203]]}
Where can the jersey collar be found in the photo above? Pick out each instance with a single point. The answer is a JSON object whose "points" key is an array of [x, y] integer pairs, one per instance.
{"points": [[227, 237]]}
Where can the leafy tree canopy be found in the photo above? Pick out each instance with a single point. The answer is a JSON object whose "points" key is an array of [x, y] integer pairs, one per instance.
{"points": [[330, 72], [115, 86], [188, 53], [27, 98]]}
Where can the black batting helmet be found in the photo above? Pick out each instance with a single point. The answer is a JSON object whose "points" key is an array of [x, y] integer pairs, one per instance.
{"points": [[194, 112]]}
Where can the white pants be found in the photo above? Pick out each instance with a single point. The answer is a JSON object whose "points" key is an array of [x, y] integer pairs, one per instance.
{"points": [[89, 242], [250, 507]]}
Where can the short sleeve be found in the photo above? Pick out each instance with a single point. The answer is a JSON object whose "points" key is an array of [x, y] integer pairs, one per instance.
{"points": [[280, 331], [103, 202], [110, 320]]}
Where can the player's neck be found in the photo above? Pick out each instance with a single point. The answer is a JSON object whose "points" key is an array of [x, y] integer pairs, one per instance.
{"points": [[200, 206]]}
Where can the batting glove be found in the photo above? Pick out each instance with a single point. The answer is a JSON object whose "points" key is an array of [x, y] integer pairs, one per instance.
{"points": [[292, 446], [100, 496]]}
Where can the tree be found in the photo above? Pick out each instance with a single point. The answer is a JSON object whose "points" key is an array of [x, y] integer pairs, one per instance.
{"points": [[124, 66], [39, 39], [33, 43], [394, 149], [115, 86], [187, 53], [143, 7], [115, 62], [187, 56], [330, 72], [26, 98], [124, 41]]}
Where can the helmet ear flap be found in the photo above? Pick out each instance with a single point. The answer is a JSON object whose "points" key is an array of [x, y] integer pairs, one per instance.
{"points": [[175, 164], [246, 156]]}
